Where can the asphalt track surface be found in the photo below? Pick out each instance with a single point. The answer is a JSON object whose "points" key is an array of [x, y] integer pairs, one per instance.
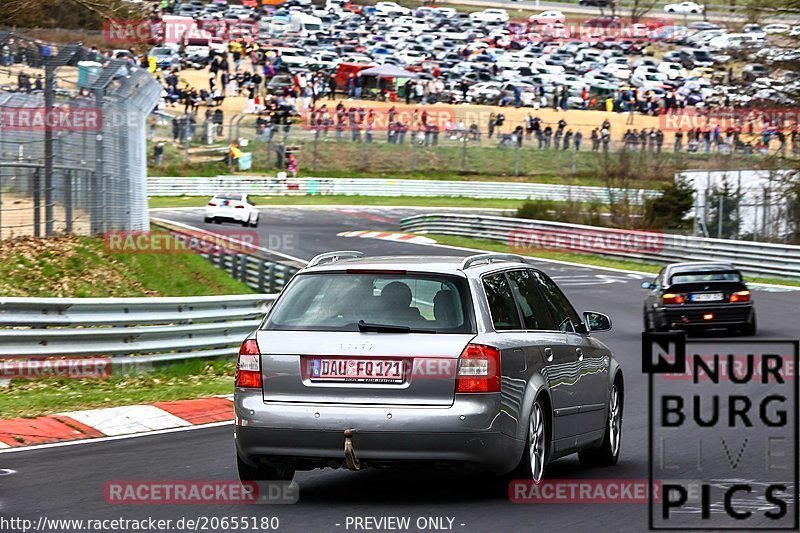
{"points": [[68, 482]]}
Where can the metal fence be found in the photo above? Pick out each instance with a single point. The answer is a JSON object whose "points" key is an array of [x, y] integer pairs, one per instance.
{"points": [[419, 152], [522, 235], [129, 330], [268, 186], [73, 157]]}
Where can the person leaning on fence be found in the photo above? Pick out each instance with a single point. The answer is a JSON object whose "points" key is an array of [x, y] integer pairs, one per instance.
{"points": [[567, 139], [678, 141]]}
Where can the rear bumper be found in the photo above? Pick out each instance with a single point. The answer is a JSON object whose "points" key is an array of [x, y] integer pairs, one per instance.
{"points": [[692, 316], [227, 214], [465, 433]]}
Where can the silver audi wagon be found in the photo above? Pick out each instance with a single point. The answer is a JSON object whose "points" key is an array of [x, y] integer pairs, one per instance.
{"points": [[477, 362]]}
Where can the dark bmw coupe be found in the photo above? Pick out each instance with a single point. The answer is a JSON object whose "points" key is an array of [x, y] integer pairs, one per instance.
{"points": [[699, 296]]}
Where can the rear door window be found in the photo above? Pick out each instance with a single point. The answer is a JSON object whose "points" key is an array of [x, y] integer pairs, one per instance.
{"points": [[535, 314], [566, 318], [502, 306]]}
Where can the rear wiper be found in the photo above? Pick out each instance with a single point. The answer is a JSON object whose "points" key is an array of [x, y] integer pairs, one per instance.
{"points": [[389, 328]]}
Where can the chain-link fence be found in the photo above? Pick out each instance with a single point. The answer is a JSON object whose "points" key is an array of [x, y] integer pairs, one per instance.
{"points": [[73, 156], [757, 205]]}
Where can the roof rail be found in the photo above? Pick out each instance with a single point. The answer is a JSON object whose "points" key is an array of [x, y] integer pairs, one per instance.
{"points": [[490, 258], [332, 257]]}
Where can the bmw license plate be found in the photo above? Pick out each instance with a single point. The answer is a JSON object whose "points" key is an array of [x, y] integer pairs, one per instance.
{"points": [[356, 370], [707, 297]]}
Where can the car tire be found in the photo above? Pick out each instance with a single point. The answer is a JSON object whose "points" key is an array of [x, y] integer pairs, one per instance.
{"points": [[208, 220], [648, 328], [534, 460], [751, 327], [263, 472], [217, 221], [607, 454]]}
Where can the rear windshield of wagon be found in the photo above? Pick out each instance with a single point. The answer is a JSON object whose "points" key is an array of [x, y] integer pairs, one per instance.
{"points": [[337, 301]]}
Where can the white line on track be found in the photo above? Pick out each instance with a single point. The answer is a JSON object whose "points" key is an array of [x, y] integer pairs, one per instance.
{"points": [[119, 437]]}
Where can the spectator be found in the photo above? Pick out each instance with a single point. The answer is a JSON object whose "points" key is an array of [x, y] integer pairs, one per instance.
{"points": [[291, 165], [577, 140]]}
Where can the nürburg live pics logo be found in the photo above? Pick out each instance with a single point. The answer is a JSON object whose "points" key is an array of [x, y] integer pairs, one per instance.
{"points": [[723, 432]]}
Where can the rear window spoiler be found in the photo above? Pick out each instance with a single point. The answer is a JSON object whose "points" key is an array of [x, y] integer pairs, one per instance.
{"points": [[705, 273]]}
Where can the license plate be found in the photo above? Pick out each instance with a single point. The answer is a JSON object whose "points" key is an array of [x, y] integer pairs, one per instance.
{"points": [[356, 370], [709, 297]]}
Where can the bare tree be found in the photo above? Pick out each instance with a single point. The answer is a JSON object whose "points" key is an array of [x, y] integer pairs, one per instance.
{"points": [[640, 8], [78, 14]]}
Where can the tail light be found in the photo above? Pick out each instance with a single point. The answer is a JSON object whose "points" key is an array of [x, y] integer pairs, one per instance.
{"points": [[239, 206], [248, 366], [212, 204], [478, 369], [670, 298], [741, 296]]}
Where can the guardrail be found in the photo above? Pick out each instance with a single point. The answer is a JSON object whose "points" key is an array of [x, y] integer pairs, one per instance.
{"points": [[257, 273], [268, 186], [131, 331], [760, 259]]}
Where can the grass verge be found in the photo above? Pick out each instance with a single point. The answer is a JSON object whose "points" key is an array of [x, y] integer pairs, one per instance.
{"points": [[181, 381], [82, 267], [583, 259]]}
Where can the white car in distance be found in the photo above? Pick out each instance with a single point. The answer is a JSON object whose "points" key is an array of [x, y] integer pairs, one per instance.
{"points": [[490, 15], [547, 17], [232, 207], [684, 8]]}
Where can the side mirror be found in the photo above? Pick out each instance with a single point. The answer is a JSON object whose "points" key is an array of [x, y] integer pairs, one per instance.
{"points": [[596, 321], [647, 285]]}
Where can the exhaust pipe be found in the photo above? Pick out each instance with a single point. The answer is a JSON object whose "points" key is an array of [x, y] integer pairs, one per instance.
{"points": [[350, 459]]}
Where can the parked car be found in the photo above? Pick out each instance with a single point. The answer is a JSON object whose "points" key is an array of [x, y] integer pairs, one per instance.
{"points": [[165, 57], [772, 29], [392, 361], [753, 71], [699, 296]]}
